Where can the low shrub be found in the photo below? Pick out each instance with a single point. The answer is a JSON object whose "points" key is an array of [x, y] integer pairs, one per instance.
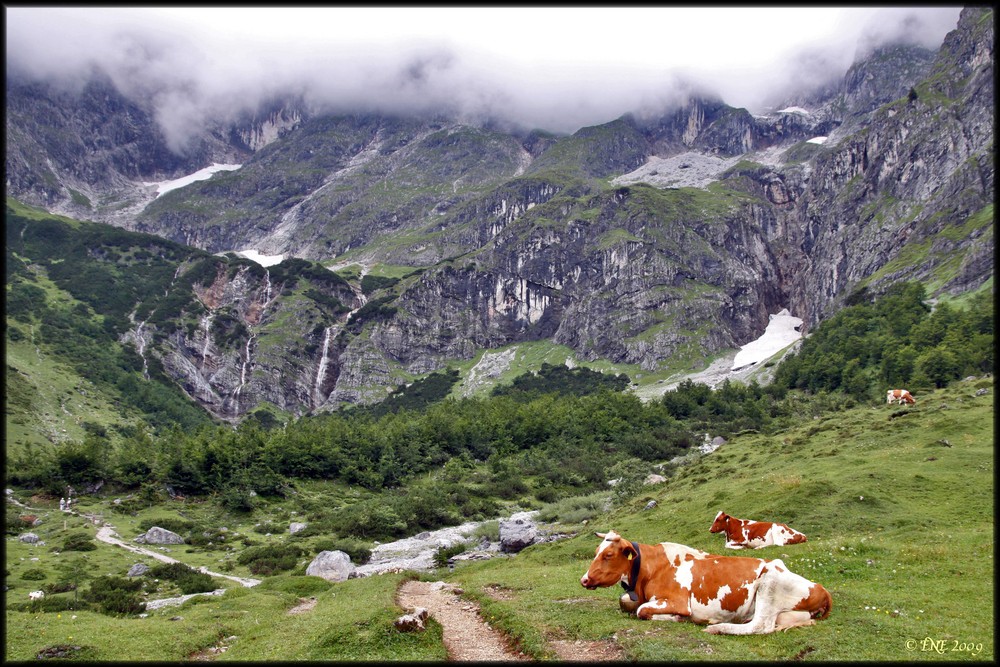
{"points": [[489, 529], [116, 596], [442, 555], [268, 527], [187, 579], [575, 509], [48, 605], [59, 587], [15, 524], [33, 575], [270, 558], [210, 539], [128, 507], [79, 542], [174, 525]]}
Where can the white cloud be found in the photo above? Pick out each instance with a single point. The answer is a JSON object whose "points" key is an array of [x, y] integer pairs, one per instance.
{"points": [[553, 67]]}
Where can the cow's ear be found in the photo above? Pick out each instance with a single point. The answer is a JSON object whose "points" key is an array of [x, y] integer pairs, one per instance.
{"points": [[629, 551]]}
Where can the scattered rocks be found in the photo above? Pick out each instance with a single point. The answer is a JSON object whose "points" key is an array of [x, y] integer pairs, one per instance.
{"points": [[650, 505], [297, 527], [28, 538], [171, 602], [58, 651], [415, 553]]}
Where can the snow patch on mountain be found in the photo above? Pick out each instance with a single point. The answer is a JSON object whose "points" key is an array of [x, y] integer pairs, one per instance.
{"points": [[162, 187], [263, 260], [782, 330], [738, 365]]}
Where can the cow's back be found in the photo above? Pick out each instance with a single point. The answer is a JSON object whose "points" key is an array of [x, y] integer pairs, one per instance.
{"points": [[710, 588]]}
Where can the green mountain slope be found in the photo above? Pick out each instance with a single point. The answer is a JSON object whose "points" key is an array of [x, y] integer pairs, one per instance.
{"points": [[898, 506]]}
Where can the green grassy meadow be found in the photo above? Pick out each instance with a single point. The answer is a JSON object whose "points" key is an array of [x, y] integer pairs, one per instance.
{"points": [[898, 504], [900, 530]]}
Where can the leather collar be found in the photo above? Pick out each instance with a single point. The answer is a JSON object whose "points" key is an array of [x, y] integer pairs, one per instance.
{"points": [[633, 577]]}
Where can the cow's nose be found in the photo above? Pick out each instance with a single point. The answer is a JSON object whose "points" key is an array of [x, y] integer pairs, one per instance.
{"points": [[584, 581]]}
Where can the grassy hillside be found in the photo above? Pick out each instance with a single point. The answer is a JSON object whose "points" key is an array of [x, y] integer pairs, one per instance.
{"points": [[898, 507], [897, 504]]}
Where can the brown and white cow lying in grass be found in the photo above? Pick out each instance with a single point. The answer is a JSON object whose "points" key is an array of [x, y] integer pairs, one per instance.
{"points": [[733, 595], [750, 534]]}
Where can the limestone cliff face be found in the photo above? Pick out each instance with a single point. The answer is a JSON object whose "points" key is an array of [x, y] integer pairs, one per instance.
{"points": [[650, 272], [911, 181], [252, 335], [270, 122]]}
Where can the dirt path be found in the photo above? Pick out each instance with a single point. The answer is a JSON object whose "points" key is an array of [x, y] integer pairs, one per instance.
{"points": [[467, 637]]}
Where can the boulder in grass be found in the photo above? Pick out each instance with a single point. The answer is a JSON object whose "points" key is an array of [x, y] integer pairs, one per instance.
{"points": [[157, 535], [333, 566], [414, 622], [138, 570], [517, 532]]}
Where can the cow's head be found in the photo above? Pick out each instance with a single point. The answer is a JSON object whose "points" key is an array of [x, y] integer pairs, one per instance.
{"points": [[719, 524], [612, 563]]}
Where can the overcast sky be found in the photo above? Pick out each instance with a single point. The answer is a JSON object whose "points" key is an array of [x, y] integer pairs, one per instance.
{"points": [[557, 68]]}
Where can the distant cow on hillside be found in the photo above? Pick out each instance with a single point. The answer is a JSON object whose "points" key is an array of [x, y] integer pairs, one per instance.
{"points": [[900, 396], [750, 534]]}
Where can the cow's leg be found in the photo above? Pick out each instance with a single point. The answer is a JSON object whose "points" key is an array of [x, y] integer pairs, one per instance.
{"points": [[787, 620], [770, 601], [734, 545], [660, 610]]}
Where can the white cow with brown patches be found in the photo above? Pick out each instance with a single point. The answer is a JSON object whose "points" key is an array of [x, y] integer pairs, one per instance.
{"points": [[750, 534], [899, 396], [733, 595]]}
